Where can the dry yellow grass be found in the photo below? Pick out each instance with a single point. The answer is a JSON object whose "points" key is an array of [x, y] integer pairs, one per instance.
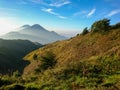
{"points": [[79, 48]]}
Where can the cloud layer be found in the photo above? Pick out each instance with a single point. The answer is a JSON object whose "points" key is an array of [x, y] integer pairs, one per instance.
{"points": [[114, 12], [53, 3], [85, 13], [91, 12], [50, 11], [60, 3]]}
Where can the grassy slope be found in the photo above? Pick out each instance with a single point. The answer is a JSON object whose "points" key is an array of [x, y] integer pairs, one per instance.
{"points": [[12, 52], [81, 47], [88, 61]]}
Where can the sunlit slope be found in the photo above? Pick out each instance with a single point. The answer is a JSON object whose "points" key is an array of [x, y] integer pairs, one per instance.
{"points": [[79, 48]]}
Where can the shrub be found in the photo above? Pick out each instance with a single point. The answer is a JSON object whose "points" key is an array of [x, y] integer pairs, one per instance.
{"points": [[16, 74], [35, 57], [85, 31], [47, 61], [4, 82], [116, 26]]}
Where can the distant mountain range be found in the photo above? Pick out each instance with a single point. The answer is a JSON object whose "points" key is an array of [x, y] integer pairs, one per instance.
{"points": [[35, 33]]}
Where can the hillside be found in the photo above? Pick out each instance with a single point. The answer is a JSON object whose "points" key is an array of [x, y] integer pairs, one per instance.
{"points": [[91, 50], [12, 52], [35, 33], [88, 61]]}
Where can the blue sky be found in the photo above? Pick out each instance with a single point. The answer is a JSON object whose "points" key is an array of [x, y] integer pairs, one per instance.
{"points": [[66, 17]]}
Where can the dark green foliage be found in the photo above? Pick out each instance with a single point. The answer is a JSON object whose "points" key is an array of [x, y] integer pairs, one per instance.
{"points": [[85, 31], [47, 61], [101, 25], [4, 82], [37, 70], [12, 53], [35, 57], [15, 87], [31, 88], [116, 26], [77, 34], [16, 74]]}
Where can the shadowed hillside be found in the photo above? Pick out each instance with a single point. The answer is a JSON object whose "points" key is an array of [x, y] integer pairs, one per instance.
{"points": [[12, 52]]}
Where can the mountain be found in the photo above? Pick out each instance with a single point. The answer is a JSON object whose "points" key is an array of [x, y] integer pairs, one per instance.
{"points": [[85, 61], [35, 33], [12, 52]]}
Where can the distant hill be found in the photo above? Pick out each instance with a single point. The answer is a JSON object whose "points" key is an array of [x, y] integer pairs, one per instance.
{"points": [[12, 52], [35, 33]]}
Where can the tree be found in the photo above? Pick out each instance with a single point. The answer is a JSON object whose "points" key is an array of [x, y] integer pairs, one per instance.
{"points": [[101, 25], [116, 26], [85, 31]]}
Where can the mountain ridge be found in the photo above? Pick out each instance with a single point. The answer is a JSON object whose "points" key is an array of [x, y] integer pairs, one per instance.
{"points": [[35, 33], [12, 52]]}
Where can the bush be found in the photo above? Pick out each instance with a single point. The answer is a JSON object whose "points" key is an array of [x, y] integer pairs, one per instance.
{"points": [[16, 74], [4, 82], [85, 31], [35, 57], [47, 61], [116, 26]]}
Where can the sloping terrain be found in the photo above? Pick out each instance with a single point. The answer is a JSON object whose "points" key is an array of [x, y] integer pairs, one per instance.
{"points": [[35, 33], [86, 61], [12, 52], [82, 47]]}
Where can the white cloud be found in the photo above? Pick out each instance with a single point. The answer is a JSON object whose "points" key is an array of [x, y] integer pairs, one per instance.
{"points": [[62, 17], [91, 12], [79, 13], [114, 12], [54, 3], [50, 11], [60, 3]]}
